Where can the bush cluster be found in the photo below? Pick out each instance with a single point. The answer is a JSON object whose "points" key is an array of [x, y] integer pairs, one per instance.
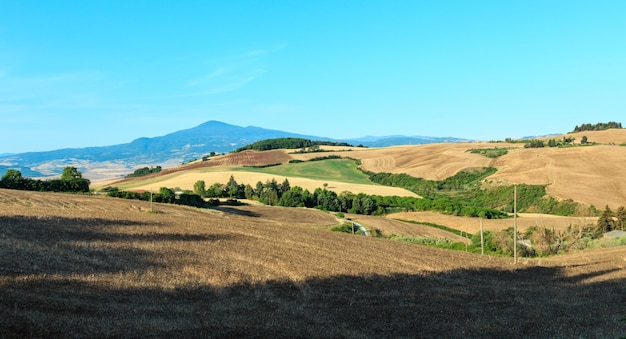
{"points": [[71, 181]]}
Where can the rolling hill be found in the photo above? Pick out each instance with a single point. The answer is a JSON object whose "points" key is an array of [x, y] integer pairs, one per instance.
{"points": [[89, 266], [592, 175], [97, 163]]}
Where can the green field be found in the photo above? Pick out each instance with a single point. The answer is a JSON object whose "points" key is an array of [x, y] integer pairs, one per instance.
{"points": [[343, 170]]}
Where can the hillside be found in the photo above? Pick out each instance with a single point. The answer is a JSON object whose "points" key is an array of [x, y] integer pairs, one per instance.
{"points": [[107, 162], [93, 266], [219, 169], [591, 175], [168, 150]]}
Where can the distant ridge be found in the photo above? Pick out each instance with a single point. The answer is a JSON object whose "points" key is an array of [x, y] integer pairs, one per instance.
{"points": [[402, 140], [169, 150]]}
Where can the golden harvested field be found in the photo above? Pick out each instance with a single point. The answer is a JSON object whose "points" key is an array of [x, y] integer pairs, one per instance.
{"points": [[593, 175], [610, 136], [80, 266], [472, 225]]}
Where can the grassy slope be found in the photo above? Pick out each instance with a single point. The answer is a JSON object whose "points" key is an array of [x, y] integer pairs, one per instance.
{"points": [[89, 266], [340, 175], [343, 170]]}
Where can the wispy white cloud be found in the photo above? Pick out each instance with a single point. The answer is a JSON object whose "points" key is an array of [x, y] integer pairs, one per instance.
{"points": [[229, 74]]}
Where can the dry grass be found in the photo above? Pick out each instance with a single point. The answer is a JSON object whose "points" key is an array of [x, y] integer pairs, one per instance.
{"points": [[591, 175], [472, 225], [389, 226], [610, 136], [73, 266]]}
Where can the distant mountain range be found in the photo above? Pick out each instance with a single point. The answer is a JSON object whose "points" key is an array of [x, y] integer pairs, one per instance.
{"points": [[170, 150]]}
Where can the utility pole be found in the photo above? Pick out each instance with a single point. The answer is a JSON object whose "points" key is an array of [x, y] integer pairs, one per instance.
{"points": [[482, 238], [515, 224]]}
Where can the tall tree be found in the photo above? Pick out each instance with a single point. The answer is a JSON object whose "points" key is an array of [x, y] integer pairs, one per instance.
{"points": [[71, 173], [621, 217], [200, 188], [12, 179], [285, 186], [232, 187], [606, 222]]}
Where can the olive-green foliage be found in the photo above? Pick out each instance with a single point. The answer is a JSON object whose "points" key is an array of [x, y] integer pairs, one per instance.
{"points": [[535, 143], [165, 195], [346, 228], [344, 170], [469, 178], [288, 143], [451, 196], [597, 127], [490, 152], [441, 227], [144, 171], [71, 181], [610, 220]]}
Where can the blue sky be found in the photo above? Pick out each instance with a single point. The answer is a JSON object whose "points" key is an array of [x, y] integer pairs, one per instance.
{"points": [[95, 73]]}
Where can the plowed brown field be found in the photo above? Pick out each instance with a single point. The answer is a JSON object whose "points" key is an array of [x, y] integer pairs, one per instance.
{"points": [[79, 266]]}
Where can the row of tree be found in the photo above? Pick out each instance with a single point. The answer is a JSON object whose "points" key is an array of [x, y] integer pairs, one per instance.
{"points": [[288, 143], [567, 141], [141, 172], [165, 195], [71, 181], [598, 127], [283, 194]]}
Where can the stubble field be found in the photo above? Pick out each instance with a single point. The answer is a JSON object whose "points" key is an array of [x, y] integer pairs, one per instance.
{"points": [[96, 267]]}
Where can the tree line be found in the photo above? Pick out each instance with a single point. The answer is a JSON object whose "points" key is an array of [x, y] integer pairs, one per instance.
{"points": [[71, 181], [463, 191], [288, 143], [165, 195], [601, 126], [141, 172], [283, 194]]}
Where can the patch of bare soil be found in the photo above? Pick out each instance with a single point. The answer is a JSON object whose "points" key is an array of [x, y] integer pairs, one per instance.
{"points": [[101, 267]]}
